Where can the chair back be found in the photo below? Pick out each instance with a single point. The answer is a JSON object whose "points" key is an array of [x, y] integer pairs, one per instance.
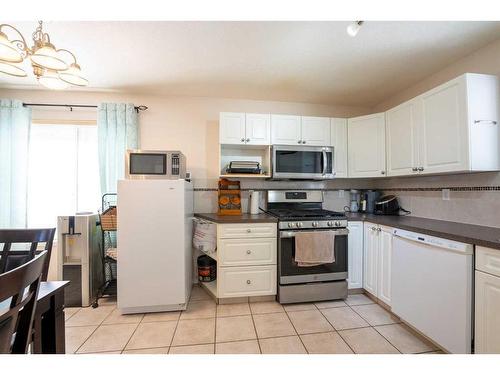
{"points": [[10, 259], [18, 295]]}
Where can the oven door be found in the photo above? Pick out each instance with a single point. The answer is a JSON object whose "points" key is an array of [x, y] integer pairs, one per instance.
{"points": [[290, 273], [303, 162]]}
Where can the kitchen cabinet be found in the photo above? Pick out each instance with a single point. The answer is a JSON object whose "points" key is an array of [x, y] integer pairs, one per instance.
{"points": [[451, 128], [246, 260], [315, 131], [487, 301], [244, 128], [339, 143], [401, 128], [366, 146], [297, 130], [285, 130], [377, 261], [355, 255]]}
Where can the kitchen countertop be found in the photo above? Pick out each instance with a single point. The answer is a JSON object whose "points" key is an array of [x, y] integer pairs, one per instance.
{"points": [[467, 233], [238, 219]]}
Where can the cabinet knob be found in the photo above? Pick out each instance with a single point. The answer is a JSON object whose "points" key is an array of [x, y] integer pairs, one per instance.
{"points": [[248, 139], [379, 229], [249, 282], [249, 252], [382, 172], [242, 139], [249, 230], [299, 141], [421, 169], [414, 169], [303, 142]]}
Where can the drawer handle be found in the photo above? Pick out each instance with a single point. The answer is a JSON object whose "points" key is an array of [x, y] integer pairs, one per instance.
{"points": [[249, 282], [249, 252], [249, 230]]}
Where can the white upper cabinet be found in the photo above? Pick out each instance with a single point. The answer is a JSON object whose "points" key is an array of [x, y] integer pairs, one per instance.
{"points": [[258, 129], [232, 128], [366, 145], [401, 138], [285, 130], [339, 143], [315, 131], [244, 128], [459, 127]]}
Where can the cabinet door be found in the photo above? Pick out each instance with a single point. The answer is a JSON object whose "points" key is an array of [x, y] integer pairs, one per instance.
{"points": [[232, 128], [339, 143], [401, 124], [384, 265], [370, 261], [487, 316], [285, 130], [355, 255], [258, 129], [444, 139], [366, 146], [316, 131]]}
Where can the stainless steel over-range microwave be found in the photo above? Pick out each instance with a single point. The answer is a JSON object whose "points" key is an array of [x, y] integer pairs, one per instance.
{"points": [[302, 162], [152, 164]]}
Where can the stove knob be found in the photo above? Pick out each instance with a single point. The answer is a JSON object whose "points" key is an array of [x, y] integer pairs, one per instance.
{"points": [[315, 224], [338, 223], [330, 224], [290, 225], [300, 225]]}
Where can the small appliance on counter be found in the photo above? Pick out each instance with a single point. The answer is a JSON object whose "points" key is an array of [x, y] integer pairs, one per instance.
{"points": [[79, 258], [153, 164], [244, 167], [355, 200], [371, 198], [388, 205]]}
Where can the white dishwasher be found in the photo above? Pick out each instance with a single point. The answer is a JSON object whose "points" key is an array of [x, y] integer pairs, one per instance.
{"points": [[432, 287]]}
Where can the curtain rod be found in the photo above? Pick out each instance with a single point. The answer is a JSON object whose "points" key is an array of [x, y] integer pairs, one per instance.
{"points": [[71, 106]]}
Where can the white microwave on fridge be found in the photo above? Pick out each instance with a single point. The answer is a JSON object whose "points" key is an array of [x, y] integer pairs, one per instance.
{"points": [[153, 164]]}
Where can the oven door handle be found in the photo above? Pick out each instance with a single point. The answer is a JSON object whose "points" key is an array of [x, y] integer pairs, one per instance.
{"points": [[290, 233]]}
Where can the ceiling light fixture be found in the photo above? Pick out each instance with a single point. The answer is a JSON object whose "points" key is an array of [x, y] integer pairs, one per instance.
{"points": [[354, 27], [48, 63]]}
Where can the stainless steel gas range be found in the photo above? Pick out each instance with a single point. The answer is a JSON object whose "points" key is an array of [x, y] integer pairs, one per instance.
{"points": [[303, 211]]}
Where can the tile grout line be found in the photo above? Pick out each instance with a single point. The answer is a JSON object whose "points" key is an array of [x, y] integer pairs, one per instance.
{"points": [[335, 329], [295, 329], [255, 329], [99, 325], [133, 333]]}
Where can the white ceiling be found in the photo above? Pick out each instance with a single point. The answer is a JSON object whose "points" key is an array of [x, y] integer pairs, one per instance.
{"points": [[315, 62]]}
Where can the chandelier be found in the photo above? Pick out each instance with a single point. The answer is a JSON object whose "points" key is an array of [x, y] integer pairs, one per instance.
{"points": [[53, 68]]}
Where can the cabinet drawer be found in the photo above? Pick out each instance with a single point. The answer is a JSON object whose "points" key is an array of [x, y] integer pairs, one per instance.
{"points": [[246, 281], [488, 260], [246, 252], [247, 230]]}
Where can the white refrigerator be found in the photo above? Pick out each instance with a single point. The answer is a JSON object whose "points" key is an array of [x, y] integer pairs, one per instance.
{"points": [[154, 266]]}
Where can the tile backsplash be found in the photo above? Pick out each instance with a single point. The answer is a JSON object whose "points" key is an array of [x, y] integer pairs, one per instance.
{"points": [[474, 197]]}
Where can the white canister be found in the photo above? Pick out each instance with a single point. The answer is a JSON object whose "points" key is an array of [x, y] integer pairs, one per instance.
{"points": [[254, 202]]}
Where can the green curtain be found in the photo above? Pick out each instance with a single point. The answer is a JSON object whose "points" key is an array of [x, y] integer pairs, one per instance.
{"points": [[15, 124], [117, 128]]}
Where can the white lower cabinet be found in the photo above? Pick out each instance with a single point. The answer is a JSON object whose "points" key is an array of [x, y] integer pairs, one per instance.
{"points": [[246, 260], [487, 304], [355, 255], [377, 253]]}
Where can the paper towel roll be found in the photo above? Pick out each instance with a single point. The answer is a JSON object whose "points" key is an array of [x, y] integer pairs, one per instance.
{"points": [[254, 202]]}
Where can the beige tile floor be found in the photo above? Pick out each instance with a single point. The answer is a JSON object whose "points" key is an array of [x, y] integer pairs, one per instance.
{"points": [[355, 326]]}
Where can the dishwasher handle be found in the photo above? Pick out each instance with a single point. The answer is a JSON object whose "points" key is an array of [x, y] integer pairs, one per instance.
{"points": [[443, 243]]}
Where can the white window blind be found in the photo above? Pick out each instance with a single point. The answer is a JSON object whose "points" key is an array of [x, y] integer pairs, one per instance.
{"points": [[63, 175]]}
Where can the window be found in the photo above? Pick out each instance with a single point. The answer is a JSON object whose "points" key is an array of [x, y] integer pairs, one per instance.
{"points": [[63, 176]]}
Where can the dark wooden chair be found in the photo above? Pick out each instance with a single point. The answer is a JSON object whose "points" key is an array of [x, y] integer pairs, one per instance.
{"points": [[10, 259], [18, 295]]}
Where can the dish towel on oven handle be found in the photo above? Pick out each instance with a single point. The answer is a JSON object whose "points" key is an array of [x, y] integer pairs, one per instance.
{"points": [[314, 248]]}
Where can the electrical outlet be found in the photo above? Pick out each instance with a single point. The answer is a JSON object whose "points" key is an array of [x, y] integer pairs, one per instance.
{"points": [[446, 194], [341, 193]]}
